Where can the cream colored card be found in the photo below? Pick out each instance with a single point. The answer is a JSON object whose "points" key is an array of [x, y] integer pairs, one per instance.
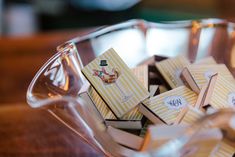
{"points": [[168, 105], [134, 114], [100, 105], [171, 69], [201, 73], [141, 72], [223, 93], [115, 83], [219, 93], [207, 60]]}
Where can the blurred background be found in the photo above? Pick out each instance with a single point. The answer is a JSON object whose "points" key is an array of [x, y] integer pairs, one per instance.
{"points": [[30, 30], [26, 17]]}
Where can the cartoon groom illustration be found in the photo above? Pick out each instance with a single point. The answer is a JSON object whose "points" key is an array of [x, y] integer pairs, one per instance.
{"points": [[110, 77]]}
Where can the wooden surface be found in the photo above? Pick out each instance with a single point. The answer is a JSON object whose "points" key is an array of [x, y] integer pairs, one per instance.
{"points": [[25, 131], [32, 132]]}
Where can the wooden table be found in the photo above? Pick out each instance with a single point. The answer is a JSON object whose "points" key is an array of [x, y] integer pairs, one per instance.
{"points": [[25, 131], [32, 132]]}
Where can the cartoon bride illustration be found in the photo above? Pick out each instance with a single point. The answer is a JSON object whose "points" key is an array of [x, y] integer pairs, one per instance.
{"points": [[110, 78]]}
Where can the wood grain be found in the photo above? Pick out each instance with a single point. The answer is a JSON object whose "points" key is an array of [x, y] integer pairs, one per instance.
{"points": [[32, 132]]}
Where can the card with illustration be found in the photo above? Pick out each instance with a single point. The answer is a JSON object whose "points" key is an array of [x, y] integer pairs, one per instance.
{"points": [[115, 83], [131, 120], [167, 106], [171, 69]]}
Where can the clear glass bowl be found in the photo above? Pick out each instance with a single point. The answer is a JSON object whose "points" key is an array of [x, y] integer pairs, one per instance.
{"points": [[135, 41]]}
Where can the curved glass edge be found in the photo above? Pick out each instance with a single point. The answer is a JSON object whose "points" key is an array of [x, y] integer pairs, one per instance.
{"points": [[29, 98], [210, 22], [213, 22], [62, 50]]}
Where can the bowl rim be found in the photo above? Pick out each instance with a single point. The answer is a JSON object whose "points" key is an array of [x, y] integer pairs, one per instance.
{"points": [[203, 23]]}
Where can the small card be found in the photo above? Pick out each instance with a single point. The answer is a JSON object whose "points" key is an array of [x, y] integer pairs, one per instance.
{"points": [[141, 72], [199, 75], [134, 114], [131, 120], [171, 69], [223, 93], [220, 92], [115, 83], [168, 105]]}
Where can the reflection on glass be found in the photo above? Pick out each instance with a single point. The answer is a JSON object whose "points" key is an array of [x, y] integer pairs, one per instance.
{"points": [[60, 76], [167, 42], [129, 43], [205, 41]]}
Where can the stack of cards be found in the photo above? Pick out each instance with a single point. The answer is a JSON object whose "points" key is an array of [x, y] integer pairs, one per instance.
{"points": [[145, 107], [125, 89], [131, 120]]}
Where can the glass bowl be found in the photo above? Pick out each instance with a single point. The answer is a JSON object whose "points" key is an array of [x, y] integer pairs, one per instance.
{"points": [[134, 40]]}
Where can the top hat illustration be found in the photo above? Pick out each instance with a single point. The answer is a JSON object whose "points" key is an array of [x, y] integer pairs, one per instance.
{"points": [[103, 63]]}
